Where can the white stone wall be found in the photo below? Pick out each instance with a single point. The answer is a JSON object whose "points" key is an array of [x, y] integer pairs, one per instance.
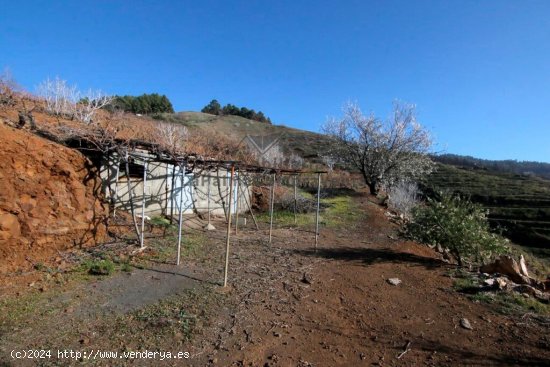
{"points": [[159, 197]]}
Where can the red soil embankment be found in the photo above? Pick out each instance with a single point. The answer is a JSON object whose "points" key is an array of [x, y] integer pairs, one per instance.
{"points": [[49, 200]]}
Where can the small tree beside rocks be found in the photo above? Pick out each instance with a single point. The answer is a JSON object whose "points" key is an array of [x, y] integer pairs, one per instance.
{"points": [[456, 225]]}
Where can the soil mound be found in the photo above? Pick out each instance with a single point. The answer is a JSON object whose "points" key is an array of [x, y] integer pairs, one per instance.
{"points": [[49, 200]]}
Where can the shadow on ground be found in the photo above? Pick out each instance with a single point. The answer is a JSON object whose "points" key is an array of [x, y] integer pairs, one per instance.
{"points": [[470, 358], [370, 256]]}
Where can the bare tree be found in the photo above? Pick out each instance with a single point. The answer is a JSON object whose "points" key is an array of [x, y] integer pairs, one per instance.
{"points": [[59, 96], [385, 152], [8, 88], [403, 197], [294, 161], [63, 99], [329, 160], [171, 137], [273, 157], [89, 103]]}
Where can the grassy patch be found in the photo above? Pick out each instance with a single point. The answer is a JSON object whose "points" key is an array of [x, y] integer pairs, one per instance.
{"points": [[173, 320], [341, 210], [165, 249], [482, 297], [505, 302], [464, 284], [286, 218], [13, 310], [335, 212], [160, 222], [514, 303]]}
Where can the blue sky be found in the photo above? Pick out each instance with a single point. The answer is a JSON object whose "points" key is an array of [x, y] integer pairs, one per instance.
{"points": [[478, 71]]}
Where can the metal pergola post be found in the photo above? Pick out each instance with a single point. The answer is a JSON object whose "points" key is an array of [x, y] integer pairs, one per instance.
{"points": [[228, 228], [317, 213], [173, 183], [143, 205], [131, 196], [271, 209], [208, 199], [295, 198], [180, 222], [115, 196], [237, 204]]}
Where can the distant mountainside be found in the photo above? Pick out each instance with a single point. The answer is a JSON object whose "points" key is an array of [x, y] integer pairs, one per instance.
{"points": [[527, 168]]}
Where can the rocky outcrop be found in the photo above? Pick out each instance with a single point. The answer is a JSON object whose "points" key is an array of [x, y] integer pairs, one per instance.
{"points": [[49, 200]]}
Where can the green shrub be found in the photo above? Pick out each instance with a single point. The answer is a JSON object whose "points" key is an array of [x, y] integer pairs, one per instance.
{"points": [[160, 221], [101, 267], [458, 225]]}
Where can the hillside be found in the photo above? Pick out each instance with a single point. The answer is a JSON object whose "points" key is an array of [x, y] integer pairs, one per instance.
{"points": [[517, 198], [309, 145], [529, 168], [520, 204], [287, 303]]}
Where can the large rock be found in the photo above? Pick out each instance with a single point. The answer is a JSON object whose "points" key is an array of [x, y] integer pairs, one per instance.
{"points": [[506, 265]]}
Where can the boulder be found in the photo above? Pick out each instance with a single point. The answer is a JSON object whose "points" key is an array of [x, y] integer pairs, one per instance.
{"points": [[506, 265]]}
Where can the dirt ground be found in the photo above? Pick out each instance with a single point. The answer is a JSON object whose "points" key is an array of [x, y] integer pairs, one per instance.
{"points": [[288, 304]]}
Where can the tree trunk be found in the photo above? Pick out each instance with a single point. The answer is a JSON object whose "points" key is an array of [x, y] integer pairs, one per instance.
{"points": [[372, 184], [373, 187]]}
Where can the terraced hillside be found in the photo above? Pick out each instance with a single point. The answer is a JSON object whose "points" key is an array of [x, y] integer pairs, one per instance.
{"points": [[519, 204]]}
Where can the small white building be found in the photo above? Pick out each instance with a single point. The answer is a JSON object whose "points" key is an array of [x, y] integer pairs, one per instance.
{"points": [[162, 185]]}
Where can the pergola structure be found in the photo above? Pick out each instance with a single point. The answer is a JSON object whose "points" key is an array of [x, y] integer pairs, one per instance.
{"points": [[150, 153]]}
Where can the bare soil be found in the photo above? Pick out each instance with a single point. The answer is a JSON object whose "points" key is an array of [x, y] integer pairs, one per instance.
{"points": [[334, 307], [288, 304], [49, 201]]}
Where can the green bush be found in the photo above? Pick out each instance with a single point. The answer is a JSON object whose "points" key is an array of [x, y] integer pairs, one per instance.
{"points": [[458, 225], [160, 221], [101, 267]]}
